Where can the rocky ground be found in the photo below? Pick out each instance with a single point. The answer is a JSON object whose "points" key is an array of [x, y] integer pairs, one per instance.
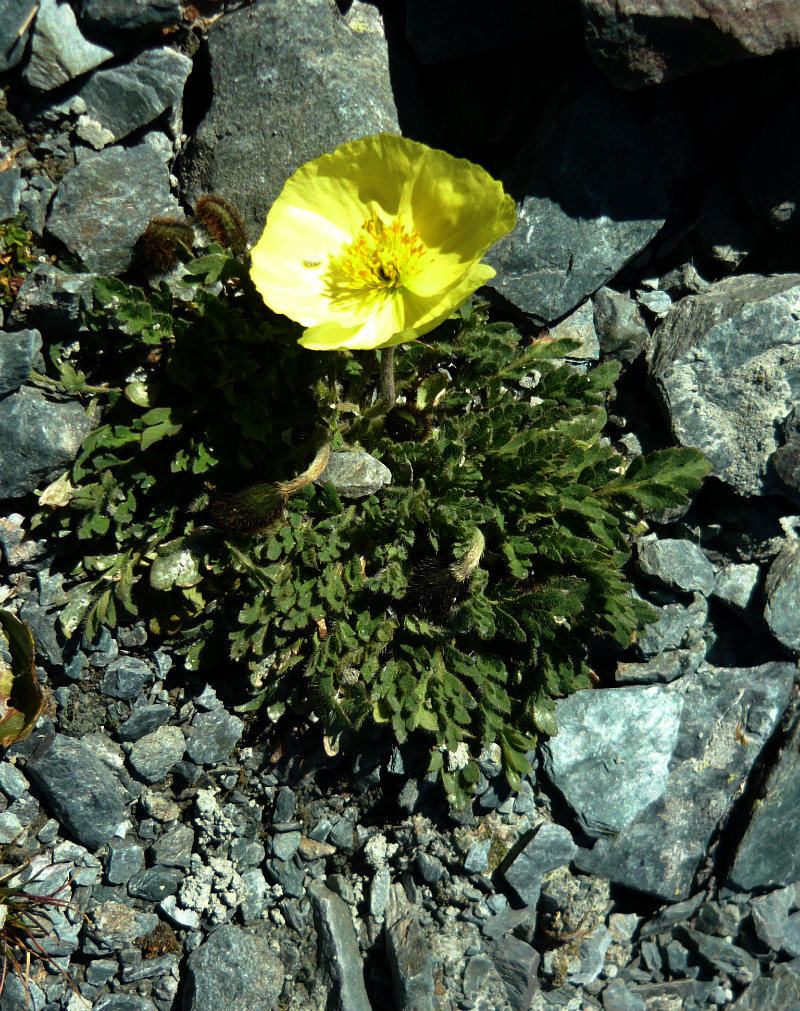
{"points": [[652, 861]]}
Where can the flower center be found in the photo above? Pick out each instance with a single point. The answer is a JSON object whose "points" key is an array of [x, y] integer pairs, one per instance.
{"points": [[380, 259]]}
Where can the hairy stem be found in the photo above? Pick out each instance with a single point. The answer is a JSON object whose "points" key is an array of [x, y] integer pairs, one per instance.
{"points": [[387, 377]]}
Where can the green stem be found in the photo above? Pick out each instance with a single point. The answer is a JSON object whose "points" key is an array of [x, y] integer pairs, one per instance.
{"points": [[387, 377]]}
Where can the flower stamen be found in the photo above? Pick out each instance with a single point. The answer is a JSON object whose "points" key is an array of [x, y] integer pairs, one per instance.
{"points": [[380, 259]]}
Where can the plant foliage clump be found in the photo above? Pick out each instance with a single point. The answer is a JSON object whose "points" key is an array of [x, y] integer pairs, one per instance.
{"points": [[456, 601]]}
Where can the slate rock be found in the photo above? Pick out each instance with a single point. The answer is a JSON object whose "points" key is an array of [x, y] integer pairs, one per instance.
{"points": [[589, 197], [11, 187], [15, 26], [777, 921], [80, 791], [34, 201], [113, 926], [284, 805], [125, 678], [642, 42], [355, 474], [125, 98], [676, 564], [41, 436], [51, 299], [664, 667], [59, 52], [782, 592], [22, 994], [104, 204], [128, 15], [174, 848], [517, 963], [620, 329], [779, 991], [232, 969], [769, 853], [617, 997], [125, 859], [737, 587], [727, 715], [307, 79], [678, 626], [727, 369], [411, 965], [550, 846], [153, 756], [155, 883], [213, 737], [143, 720], [611, 757], [338, 955], [720, 956]]}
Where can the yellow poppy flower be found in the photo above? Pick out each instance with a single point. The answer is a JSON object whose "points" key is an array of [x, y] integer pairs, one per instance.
{"points": [[377, 243]]}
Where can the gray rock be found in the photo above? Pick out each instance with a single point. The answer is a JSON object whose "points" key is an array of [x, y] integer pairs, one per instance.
{"points": [[153, 755], [678, 626], [355, 474], [517, 963], [142, 721], [663, 667], [431, 868], [12, 782], [509, 919], [155, 883], [114, 927], [232, 969], [720, 956], [284, 844], [59, 52], [616, 997], [11, 187], [769, 853], [284, 805], [676, 564], [174, 848], [775, 923], [246, 853], [338, 955], [611, 758], [779, 991], [551, 846], [589, 198], [411, 965], [213, 737], [289, 876], [79, 790], [782, 592], [125, 859], [105, 203], [637, 44], [658, 302], [619, 326], [21, 995], [379, 891], [307, 80], [125, 98], [14, 31], [591, 956], [40, 437], [727, 715], [579, 326], [34, 202], [128, 15], [736, 587], [252, 896], [727, 368], [125, 678]]}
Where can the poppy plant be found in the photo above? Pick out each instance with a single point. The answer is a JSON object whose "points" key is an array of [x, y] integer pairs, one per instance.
{"points": [[377, 243]]}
